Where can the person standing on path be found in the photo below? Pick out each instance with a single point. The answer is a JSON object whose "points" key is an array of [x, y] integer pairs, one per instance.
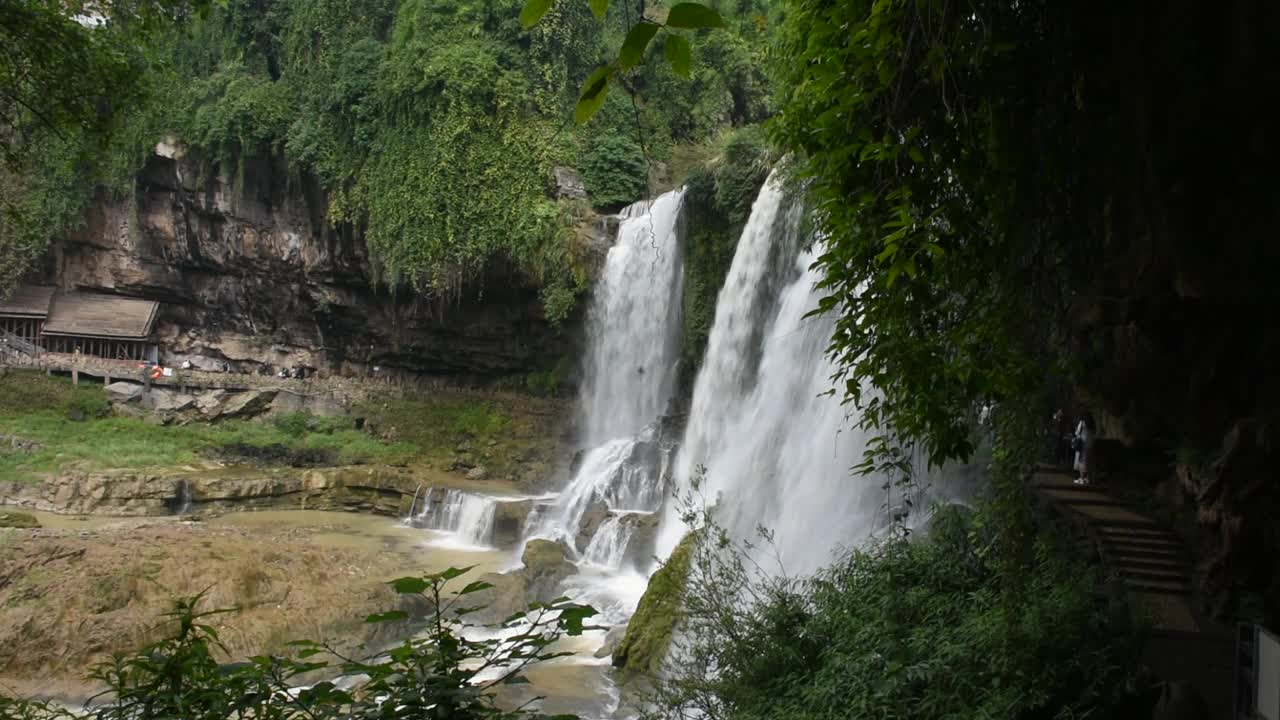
{"points": [[1082, 443]]}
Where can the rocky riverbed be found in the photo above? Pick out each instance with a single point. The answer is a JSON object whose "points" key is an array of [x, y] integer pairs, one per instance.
{"points": [[76, 590]]}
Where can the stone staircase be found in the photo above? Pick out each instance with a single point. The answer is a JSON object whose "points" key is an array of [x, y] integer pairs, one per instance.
{"points": [[1153, 567]]}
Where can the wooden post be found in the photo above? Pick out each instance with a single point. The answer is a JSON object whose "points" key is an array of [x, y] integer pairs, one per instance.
{"points": [[75, 376], [106, 380]]}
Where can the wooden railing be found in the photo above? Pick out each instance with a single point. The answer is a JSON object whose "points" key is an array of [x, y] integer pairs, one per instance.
{"points": [[13, 345]]}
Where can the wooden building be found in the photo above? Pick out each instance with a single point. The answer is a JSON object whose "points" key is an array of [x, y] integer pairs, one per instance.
{"points": [[25, 312], [107, 326]]}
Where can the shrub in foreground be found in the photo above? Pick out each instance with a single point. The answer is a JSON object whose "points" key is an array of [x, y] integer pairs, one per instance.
{"points": [[906, 628], [445, 672]]}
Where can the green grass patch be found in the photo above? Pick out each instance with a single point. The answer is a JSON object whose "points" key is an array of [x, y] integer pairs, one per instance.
{"points": [[513, 436], [25, 391], [40, 409]]}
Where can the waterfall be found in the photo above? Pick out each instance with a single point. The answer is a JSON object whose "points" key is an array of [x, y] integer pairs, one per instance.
{"points": [[182, 503], [633, 343], [775, 445], [608, 546], [468, 516], [633, 324]]}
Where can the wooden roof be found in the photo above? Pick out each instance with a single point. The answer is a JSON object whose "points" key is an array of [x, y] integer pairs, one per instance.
{"points": [[101, 316], [28, 301]]}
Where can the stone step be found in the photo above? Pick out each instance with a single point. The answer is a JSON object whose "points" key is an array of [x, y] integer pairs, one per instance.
{"points": [[1170, 576], [1118, 543], [1146, 532], [1170, 564], [1169, 613], [1155, 586]]}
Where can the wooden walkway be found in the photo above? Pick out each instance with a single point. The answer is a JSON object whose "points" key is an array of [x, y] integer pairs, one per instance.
{"points": [[1152, 567], [107, 371]]}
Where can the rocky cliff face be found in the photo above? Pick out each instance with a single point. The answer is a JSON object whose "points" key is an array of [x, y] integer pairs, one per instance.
{"points": [[250, 272]]}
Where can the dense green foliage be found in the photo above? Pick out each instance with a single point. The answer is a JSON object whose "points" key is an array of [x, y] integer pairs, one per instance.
{"points": [[915, 138], [63, 84], [441, 673], [719, 192], [432, 125], [905, 628], [614, 171], [72, 427]]}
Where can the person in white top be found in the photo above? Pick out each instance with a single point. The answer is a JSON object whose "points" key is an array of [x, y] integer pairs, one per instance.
{"points": [[1083, 445]]}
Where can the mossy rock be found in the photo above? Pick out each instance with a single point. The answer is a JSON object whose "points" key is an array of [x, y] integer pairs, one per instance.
{"points": [[540, 555], [14, 519], [545, 566], [645, 644]]}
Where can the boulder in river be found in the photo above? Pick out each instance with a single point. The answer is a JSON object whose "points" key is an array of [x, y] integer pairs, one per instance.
{"points": [[546, 564], [592, 518], [508, 521], [15, 519], [644, 646], [497, 603]]}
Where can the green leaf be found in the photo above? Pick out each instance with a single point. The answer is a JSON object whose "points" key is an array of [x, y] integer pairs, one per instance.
{"points": [[634, 46], [409, 585], [391, 616], [599, 8], [693, 16], [594, 91], [572, 618], [454, 572], [678, 54], [476, 586], [533, 12], [914, 153]]}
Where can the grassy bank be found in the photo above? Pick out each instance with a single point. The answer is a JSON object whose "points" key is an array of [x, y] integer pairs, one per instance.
{"points": [[73, 428]]}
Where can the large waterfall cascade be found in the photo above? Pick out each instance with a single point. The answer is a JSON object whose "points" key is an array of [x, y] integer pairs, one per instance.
{"points": [[777, 448], [629, 375], [630, 369]]}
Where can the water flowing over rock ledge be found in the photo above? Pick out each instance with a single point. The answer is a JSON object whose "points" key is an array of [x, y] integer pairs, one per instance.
{"points": [[367, 489]]}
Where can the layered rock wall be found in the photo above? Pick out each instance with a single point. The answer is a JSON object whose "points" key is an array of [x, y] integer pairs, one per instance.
{"points": [[250, 273]]}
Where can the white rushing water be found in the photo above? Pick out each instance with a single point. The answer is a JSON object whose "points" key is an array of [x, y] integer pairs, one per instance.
{"points": [[633, 324], [468, 517], [630, 373], [776, 447]]}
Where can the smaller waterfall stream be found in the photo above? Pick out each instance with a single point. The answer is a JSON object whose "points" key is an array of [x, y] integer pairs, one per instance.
{"points": [[468, 516]]}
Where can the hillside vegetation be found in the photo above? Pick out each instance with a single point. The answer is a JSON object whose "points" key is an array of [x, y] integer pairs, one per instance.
{"points": [[432, 126]]}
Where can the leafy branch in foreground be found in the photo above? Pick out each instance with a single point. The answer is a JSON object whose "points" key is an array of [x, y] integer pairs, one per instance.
{"points": [[676, 49], [902, 628], [447, 670]]}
